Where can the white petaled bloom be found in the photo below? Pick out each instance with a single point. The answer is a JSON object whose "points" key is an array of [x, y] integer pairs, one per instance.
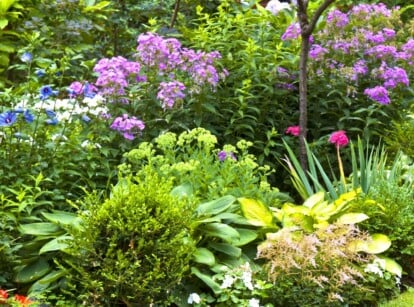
{"points": [[247, 280], [194, 298], [254, 302], [376, 267], [275, 6], [227, 282]]}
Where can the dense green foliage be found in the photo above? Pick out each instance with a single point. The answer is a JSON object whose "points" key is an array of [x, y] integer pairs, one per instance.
{"points": [[149, 154]]}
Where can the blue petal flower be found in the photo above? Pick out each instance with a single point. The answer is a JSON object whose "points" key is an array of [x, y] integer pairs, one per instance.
{"points": [[50, 113], [86, 118], [7, 118], [28, 116], [26, 57], [40, 73], [52, 121], [46, 91]]}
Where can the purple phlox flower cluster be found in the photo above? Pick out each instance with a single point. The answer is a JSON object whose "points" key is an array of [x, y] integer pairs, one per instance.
{"points": [[77, 88], [382, 51], [317, 52], [365, 11], [379, 94], [200, 66], [337, 18], [292, 32], [360, 68], [407, 51], [170, 92], [114, 74], [46, 91], [223, 155], [154, 50], [393, 76], [128, 126]]}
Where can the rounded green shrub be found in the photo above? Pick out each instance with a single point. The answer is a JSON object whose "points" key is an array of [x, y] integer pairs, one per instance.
{"points": [[136, 246]]}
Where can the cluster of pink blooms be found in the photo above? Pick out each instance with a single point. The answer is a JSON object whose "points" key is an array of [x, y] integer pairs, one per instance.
{"points": [[179, 71], [338, 138], [357, 52], [128, 126]]}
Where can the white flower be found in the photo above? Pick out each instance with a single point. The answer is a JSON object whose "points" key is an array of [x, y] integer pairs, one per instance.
{"points": [[227, 282], [254, 302], [247, 280], [194, 298], [275, 6], [376, 267]]}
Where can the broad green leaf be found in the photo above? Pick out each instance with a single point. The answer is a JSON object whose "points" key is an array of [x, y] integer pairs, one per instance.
{"points": [[223, 231], [226, 248], [392, 266], [205, 256], [216, 206], [33, 271], [256, 212], [207, 280], [62, 217], [57, 244], [40, 229], [3, 23], [246, 236], [352, 218], [183, 190], [46, 280], [5, 5]]}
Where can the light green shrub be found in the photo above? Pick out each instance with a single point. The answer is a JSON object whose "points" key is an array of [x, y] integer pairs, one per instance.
{"points": [[136, 246]]}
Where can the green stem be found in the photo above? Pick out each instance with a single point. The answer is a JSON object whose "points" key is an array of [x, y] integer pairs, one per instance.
{"points": [[341, 167]]}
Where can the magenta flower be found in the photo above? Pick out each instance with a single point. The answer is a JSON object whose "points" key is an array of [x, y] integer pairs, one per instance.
{"points": [[293, 130], [339, 138], [222, 155], [292, 32]]}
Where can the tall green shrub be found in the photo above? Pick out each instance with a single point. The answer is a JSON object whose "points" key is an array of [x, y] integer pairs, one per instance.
{"points": [[135, 247]]}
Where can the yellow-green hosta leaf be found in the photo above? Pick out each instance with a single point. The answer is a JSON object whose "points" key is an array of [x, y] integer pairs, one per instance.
{"points": [[314, 199], [392, 266], [377, 244], [352, 218], [256, 212]]}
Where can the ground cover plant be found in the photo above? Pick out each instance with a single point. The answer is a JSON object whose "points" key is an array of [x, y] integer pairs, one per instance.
{"points": [[150, 154]]}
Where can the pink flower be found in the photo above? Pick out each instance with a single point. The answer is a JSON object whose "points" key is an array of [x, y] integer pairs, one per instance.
{"points": [[293, 130], [339, 138]]}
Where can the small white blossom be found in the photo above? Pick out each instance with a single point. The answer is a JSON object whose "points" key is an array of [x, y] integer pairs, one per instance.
{"points": [[254, 302], [194, 298], [275, 6], [227, 282]]}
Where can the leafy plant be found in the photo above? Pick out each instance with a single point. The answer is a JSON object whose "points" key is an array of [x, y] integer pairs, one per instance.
{"points": [[135, 247]]}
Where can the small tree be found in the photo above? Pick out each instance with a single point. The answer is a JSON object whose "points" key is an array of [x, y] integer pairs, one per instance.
{"points": [[307, 25]]}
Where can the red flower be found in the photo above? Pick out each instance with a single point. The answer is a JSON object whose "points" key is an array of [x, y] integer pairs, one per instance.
{"points": [[23, 300], [3, 295], [293, 130], [339, 138]]}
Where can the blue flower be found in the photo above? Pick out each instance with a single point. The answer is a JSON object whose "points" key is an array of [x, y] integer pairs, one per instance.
{"points": [[46, 91], [40, 73], [88, 90], [50, 113], [26, 57], [28, 116], [86, 118], [52, 121], [7, 118]]}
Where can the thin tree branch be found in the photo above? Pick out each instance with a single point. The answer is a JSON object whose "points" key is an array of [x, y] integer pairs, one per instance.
{"points": [[175, 13], [318, 14]]}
